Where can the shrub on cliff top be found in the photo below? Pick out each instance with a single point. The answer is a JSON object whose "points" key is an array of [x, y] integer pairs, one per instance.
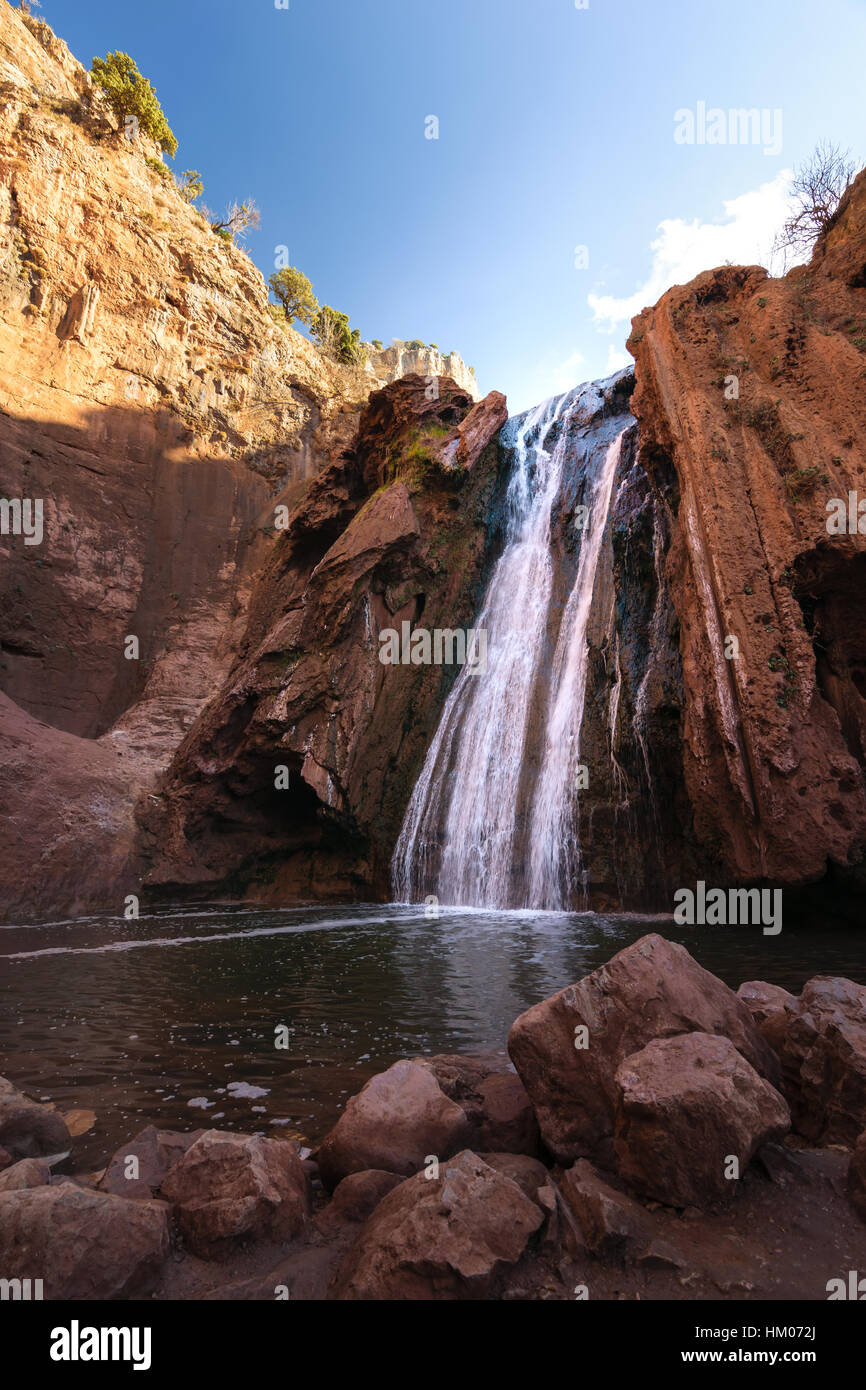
{"points": [[332, 332], [131, 95], [816, 192], [295, 293]]}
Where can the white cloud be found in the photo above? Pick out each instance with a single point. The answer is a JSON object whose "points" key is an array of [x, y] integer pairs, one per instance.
{"points": [[567, 374], [683, 249], [616, 360]]}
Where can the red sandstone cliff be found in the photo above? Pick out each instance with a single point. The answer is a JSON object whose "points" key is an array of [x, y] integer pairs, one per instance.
{"points": [[774, 739], [148, 399]]}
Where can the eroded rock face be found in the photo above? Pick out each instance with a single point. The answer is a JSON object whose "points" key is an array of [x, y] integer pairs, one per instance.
{"points": [[449, 1237], [28, 1129], [652, 989], [399, 1119], [228, 1186], [751, 388], [387, 364], [686, 1107], [82, 1244], [392, 533], [151, 405]]}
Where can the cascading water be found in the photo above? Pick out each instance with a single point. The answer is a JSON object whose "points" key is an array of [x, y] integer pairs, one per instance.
{"points": [[492, 818]]}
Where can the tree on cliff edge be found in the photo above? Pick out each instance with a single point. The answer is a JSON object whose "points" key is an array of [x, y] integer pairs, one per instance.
{"points": [[295, 293], [130, 95], [816, 192]]}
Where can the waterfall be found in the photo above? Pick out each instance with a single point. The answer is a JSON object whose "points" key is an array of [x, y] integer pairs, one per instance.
{"points": [[480, 830], [554, 848]]}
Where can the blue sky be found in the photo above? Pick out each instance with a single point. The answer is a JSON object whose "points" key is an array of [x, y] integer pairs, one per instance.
{"points": [[556, 132]]}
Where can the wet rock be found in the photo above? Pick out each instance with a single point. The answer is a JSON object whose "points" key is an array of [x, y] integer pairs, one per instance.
{"points": [[29, 1172], [82, 1244], [399, 1119], [493, 1098], [653, 988], [857, 1177], [228, 1186], [155, 1151], [612, 1223], [449, 1237], [28, 1129], [686, 1106]]}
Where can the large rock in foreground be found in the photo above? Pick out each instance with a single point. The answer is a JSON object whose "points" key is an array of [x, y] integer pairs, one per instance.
{"points": [[567, 1049], [449, 1237], [399, 1119], [81, 1244], [687, 1106], [28, 1129], [229, 1186]]}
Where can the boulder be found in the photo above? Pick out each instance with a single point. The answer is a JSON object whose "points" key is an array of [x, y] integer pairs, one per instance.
{"points": [[652, 989], [28, 1172], [771, 1007], [156, 1151], [230, 1186], [399, 1119], [530, 1175], [613, 1224], [28, 1129], [493, 1098], [450, 1237], [857, 1177], [357, 1196], [823, 1059], [82, 1244], [6, 1159], [686, 1106]]}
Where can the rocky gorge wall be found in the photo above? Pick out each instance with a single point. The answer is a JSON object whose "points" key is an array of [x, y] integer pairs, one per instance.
{"points": [[752, 415], [150, 400]]}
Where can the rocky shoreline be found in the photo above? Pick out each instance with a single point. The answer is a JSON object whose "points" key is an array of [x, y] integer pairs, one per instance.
{"points": [[650, 1134]]}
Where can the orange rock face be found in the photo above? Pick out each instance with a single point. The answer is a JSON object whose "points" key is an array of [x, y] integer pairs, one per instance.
{"points": [[752, 411], [156, 412]]}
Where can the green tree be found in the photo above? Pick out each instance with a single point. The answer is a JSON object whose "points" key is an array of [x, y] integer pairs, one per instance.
{"points": [[295, 293], [189, 185], [131, 95], [332, 332]]}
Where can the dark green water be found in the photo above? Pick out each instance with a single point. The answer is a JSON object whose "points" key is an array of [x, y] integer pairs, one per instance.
{"points": [[135, 1019]]}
